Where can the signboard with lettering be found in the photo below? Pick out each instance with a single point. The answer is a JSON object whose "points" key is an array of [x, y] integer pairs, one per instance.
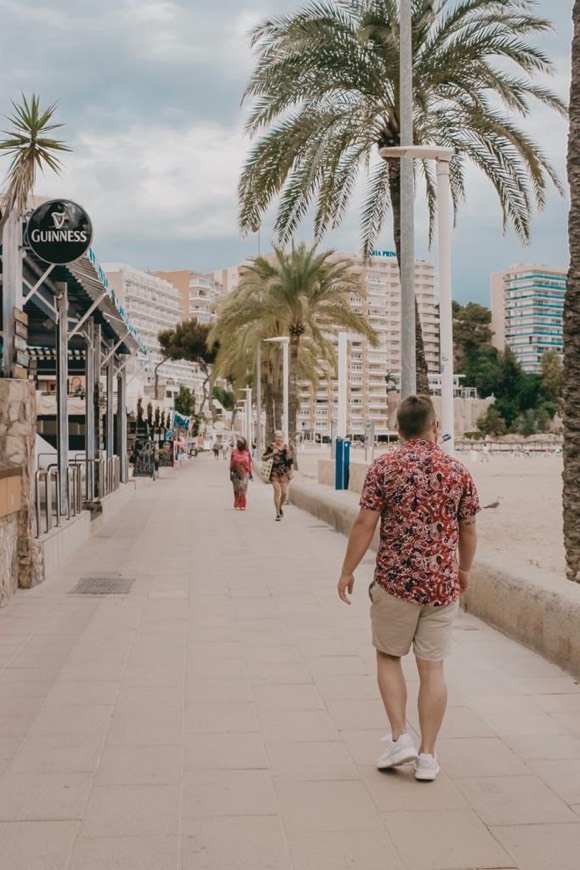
{"points": [[384, 254], [59, 231]]}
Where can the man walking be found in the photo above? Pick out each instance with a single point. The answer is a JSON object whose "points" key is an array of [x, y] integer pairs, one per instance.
{"points": [[427, 503]]}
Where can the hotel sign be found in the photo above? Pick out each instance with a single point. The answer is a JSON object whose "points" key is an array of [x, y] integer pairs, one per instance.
{"points": [[383, 254], [59, 231]]}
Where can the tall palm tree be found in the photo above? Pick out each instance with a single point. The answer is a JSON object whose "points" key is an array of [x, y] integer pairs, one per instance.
{"points": [[571, 498], [304, 294], [31, 149], [237, 355], [325, 94]]}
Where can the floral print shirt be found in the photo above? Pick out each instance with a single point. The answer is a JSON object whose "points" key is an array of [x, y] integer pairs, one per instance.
{"points": [[422, 494]]}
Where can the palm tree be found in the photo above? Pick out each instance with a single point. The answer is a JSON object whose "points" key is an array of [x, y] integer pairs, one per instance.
{"points": [[301, 294], [571, 476], [31, 149], [326, 97], [236, 359]]}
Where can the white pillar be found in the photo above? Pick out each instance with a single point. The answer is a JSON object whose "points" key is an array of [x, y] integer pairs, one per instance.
{"points": [[342, 384], [445, 308], [259, 400], [285, 367], [249, 417], [407, 264]]}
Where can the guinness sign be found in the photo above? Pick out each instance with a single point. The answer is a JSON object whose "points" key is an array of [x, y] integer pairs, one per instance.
{"points": [[59, 231]]}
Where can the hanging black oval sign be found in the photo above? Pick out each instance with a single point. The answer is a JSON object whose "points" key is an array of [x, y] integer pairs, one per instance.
{"points": [[59, 231]]}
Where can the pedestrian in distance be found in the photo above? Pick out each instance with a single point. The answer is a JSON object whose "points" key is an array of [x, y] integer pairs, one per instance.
{"points": [[215, 449], [240, 472], [281, 474], [427, 503]]}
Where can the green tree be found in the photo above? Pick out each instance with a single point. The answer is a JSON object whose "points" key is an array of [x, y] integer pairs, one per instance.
{"points": [[304, 294], [492, 422], [571, 391], [325, 93], [184, 402], [189, 341], [471, 330], [552, 379]]}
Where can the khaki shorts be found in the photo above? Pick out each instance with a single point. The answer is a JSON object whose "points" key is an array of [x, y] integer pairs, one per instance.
{"points": [[396, 624]]}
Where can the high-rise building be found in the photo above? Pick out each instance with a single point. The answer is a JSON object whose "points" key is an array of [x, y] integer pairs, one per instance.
{"points": [[372, 371], [199, 293], [527, 312], [154, 304]]}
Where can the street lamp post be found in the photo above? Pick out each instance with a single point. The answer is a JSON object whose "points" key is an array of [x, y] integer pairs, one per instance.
{"points": [[442, 156], [285, 342], [341, 418], [407, 244]]}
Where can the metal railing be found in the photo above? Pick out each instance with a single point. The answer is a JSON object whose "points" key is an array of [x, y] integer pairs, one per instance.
{"points": [[47, 497]]}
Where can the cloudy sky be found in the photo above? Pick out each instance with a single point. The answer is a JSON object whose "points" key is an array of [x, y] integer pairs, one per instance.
{"points": [[150, 94]]}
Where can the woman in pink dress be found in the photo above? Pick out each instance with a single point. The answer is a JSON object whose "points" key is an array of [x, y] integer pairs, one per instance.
{"points": [[240, 472]]}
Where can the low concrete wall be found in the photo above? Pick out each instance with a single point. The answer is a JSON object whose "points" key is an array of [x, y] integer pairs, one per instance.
{"points": [[60, 543], [542, 614]]}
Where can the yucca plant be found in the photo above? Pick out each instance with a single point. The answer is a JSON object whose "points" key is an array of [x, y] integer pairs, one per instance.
{"points": [[31, 149]]}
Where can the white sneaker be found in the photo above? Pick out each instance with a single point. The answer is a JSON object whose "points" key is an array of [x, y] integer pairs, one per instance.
{"points": [[426, 767], [397, 752]]}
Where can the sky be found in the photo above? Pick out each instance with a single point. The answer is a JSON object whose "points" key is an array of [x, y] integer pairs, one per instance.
{"points": [[149, 92]]}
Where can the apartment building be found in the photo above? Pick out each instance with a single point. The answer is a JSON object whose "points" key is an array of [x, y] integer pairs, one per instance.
{"points": [[153, 304], [527, 311], [374, 370], [199, 294]]}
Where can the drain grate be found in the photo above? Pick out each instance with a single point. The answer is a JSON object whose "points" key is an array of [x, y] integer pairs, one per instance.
{"points": [[103, 586]]}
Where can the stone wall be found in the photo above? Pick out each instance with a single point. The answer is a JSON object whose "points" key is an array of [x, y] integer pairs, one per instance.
{"points": [[8, 557], [17, 440]]}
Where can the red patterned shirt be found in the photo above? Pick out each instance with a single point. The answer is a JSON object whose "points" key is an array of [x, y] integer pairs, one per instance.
{"points": [[422, 494]]}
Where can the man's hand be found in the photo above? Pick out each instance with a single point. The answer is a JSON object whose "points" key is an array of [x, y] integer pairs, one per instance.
{"points": [[464, 579], [345, 585]]}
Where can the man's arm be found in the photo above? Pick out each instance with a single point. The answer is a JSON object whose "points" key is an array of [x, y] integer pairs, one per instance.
{"points": [[359, 541], [466, 549]]}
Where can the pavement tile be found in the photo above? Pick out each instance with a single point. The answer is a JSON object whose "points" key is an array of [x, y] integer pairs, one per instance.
{"points": [[514, 800], [478, 756], [140, 765], [297, 726], [435, 840], [358, 715], [277, 673], [228, 793], [541, 723], [225, 751], [329, 666], [72, 720], [36, 845], [125, 853], [540, 846], [537, 747], [563, 777], [235, 843], [99, 693], [364, 746], [311, 761], [43, 796], [397, 789], [287, 697], [211, 718], [368, 850], [159, 727], [58, 754], [132, 811], [348, 688], [326, 806]]}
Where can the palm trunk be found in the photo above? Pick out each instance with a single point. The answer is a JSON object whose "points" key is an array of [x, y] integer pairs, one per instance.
{"points": [[293, 392], [571, 475], [395, 191]]}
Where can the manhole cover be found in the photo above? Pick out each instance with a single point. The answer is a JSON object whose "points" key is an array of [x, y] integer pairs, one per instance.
{"points": [[103, 586]]}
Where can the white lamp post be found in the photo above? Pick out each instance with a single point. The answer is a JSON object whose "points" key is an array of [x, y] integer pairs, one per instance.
{"points": [[341, 422], [285, 342], [442, 156]]}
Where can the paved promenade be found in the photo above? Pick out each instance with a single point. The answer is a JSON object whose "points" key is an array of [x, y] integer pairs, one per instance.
{"points": [[223, 715]]}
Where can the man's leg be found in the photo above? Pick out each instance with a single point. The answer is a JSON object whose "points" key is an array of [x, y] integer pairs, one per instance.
{"points": [[393, 689], [432, 702]]}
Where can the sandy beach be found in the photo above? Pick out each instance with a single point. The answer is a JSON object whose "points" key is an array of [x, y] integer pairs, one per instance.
{"points": [[525, 530]]}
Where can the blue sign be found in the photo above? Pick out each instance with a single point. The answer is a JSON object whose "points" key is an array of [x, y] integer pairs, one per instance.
{"points": [[384, 254]]}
